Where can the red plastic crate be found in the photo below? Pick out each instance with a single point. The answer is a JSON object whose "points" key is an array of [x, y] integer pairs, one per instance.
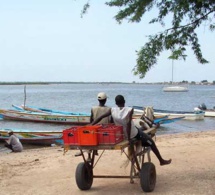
{"points": [[70, 136], [88, 135], [110, 134]]}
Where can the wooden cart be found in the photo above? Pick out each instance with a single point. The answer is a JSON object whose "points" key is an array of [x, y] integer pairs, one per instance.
{"points": [[145, 171]]}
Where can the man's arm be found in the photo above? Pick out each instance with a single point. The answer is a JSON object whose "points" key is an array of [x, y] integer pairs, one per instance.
{"points": [[91, 116], [9, 140], [128, 127], [108, 113]]}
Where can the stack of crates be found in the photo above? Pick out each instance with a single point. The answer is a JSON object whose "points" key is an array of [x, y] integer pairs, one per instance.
{"points": [[88, 135], [93, 135], [110, 134], [70, 136]]}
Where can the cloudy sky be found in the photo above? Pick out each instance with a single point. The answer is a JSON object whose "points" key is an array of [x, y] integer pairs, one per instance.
{"points": [[49, 41]]}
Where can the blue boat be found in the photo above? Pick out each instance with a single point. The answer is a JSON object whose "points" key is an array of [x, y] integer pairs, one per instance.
{"points": [[46, 110], [188, 115]]}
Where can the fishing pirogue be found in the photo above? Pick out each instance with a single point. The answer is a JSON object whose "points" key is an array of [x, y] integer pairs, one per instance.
{"points": [[108, 137]]}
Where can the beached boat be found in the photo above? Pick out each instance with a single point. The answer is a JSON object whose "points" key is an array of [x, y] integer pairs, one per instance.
{"points": [[75, 119], [164, 119], [47, 110], [39, 137], [195, 115], [159, 119]]}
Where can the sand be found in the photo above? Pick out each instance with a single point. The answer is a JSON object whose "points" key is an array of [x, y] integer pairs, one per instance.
{"points": [[47, 171]]}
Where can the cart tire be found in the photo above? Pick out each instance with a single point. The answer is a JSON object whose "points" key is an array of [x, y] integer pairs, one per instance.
{"points": [[83, 176], [148, 177]]}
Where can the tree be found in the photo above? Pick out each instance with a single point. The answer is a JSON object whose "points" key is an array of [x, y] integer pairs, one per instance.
{"points": [[204, 81], [187, 17]]}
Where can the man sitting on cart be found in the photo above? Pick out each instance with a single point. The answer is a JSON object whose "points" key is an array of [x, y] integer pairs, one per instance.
{"points": [[97, 111], [123, 116]]}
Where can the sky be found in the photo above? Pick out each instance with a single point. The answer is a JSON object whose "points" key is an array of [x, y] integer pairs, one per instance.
{"points": [[49, 41]]}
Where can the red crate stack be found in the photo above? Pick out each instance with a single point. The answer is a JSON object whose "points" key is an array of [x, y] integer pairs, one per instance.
{"points": [[70, 136], [88, 135], [110, 134]]}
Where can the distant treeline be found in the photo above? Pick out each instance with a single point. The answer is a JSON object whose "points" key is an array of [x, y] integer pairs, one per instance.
{"points": [[48, 83], [204, 82]]}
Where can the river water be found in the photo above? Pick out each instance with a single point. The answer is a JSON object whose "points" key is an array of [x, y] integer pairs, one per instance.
{"points": [[81, 97]]}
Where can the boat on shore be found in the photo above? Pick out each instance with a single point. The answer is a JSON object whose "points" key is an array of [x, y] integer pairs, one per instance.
{"points": [[16, 115], [47, 110], [37, 137], [160, 119], [195, 115]]}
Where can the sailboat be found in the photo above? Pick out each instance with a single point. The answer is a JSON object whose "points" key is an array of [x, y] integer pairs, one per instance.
{"points": [[175, 88]]}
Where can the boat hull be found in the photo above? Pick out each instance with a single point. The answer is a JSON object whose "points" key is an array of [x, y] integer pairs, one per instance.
{"points": [[209, 113], [34, 137], [175, 89], [187, 115], [45, 118], [46, 110]]}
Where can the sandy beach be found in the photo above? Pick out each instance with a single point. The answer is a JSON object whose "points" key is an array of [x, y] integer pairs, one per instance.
{"points": [[47, 171]]}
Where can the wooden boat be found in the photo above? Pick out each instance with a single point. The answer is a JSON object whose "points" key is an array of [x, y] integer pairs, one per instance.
{"points": [[46, 110], [39, 137], [45, 117], [195, 115], [163, 119], [159, 120]]}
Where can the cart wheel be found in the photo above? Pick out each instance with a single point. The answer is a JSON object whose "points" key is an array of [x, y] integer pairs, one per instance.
{"points": [[84, 176], [148, 177]]}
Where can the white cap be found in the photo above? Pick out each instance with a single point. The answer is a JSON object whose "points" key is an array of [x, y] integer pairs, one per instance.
{"points": [[102, 96]]}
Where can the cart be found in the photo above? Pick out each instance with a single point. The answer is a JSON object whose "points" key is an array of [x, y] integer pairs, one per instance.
{"points": [[145, 171]]}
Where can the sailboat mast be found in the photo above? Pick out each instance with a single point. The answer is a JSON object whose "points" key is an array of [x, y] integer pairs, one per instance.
{"points": [[172, 71]]}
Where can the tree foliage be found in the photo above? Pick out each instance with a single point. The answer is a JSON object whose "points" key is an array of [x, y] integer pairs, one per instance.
{"points": [[187, 17]]}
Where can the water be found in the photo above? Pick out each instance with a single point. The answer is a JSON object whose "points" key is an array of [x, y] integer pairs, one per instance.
{"points": [[81, 97]]}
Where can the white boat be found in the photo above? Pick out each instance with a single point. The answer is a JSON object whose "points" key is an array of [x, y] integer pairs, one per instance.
{"points": [[175, 88], [208, 112], [195, 115]]}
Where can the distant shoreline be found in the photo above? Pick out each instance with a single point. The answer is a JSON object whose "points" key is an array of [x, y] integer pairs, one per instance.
{"points": [[49, 83]]}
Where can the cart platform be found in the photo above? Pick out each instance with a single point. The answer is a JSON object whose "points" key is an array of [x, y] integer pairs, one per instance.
{"points": [[145, 171]]}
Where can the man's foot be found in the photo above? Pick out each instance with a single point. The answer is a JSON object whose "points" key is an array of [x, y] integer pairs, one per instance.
{"points": [[165, 162], [78, 154]]}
